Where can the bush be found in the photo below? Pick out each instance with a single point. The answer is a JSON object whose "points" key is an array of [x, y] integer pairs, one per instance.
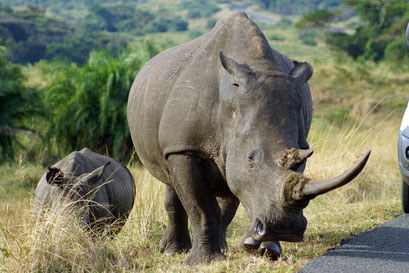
{"points": [[277, 37], [308, 36], [285, 22], [211, 22], [87, 105], [18, 106], [396, 50], [195, 33], [380, 35], [199, 9]]}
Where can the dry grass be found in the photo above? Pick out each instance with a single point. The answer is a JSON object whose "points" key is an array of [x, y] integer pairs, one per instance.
{"points": [[373, 97], [58, 244]]}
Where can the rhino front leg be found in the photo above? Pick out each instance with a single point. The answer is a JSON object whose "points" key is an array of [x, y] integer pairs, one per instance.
{"points": [[191, 184], [228, 206], [176, 238]]}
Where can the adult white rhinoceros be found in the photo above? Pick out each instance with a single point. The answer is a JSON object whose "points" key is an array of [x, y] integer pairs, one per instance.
{"points": [[101, 186], [224, 119]]}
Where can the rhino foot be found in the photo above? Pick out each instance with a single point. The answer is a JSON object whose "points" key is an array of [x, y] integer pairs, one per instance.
{"points": [[169, 245], [270, 249], [198, 256]]}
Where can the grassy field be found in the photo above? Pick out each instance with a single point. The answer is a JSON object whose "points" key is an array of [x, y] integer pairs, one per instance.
{"points": [[357, 106], [59, 245]]}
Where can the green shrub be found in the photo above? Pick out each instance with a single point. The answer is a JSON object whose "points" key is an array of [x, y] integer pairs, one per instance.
{"points": [[195, 33], [87, 104], [308, 36], [210, 23], [277, 37], [18, 106]]}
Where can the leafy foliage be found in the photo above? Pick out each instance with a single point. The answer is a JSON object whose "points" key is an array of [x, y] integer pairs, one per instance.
{"points": [[199, 8], [380, 36], [17, 104], [87, 104], [127, 18], [316, 19], [35, 36], [297, 6]]}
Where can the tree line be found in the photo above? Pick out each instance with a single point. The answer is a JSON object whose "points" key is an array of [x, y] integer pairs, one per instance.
{"points": [[378, 36], [80, 106], [32, 35]]}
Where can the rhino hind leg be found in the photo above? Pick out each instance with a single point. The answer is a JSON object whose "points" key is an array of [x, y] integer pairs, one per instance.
{"points": [[228, 206], [176, 237], [190, 181]]}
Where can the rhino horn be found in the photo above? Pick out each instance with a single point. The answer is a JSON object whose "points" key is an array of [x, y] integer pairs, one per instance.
{"points": [[314, 188], [298, 189], [293, 157]]}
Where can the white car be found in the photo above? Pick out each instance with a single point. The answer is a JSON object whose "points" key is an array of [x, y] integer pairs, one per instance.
{"points": [[403, 155], [403, 148]]}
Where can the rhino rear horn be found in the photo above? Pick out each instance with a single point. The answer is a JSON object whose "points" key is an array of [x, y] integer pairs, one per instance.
{"points": [[302, 71]]}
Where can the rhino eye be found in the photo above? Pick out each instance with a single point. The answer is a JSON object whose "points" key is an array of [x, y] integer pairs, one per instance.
{"points": [[253, 157]]}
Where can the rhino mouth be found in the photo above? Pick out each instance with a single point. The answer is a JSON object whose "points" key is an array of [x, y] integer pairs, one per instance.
{"points": [[289, 232]]}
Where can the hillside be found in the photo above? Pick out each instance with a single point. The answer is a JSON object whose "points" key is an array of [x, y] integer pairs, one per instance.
{"points": [[69, 30]]}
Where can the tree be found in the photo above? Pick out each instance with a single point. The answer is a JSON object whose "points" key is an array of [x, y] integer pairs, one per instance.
{"points": [[381, 34], [17, 104], [87, 105]]}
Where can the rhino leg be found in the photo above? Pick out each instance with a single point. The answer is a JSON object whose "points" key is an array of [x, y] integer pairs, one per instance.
{"points": [[190, 181], [228, 206], [176, 238]]}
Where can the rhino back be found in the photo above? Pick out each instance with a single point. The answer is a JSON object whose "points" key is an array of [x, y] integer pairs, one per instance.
{"points": [[174, 101]]}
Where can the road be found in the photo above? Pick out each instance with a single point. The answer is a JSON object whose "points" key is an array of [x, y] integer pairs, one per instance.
{"points": [[384, 249]]}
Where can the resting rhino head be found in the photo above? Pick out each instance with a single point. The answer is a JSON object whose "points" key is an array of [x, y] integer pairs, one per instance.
{"points": [[78, 189], [266, 149]]}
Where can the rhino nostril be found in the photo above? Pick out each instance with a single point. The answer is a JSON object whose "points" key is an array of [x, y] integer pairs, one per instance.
{"points": [[259, 229]]}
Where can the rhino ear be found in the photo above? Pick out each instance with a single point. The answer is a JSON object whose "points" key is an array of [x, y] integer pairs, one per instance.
{"points": [[54, 176], [236, 71], [94, 176], [302, 71]]}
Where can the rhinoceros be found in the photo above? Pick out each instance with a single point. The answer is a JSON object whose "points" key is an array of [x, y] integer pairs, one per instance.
{"points": [[102, 189], [222, 120]]}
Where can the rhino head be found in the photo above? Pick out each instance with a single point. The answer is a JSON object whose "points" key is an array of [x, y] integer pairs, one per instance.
{"points": [[81, 190], [265, 148]]}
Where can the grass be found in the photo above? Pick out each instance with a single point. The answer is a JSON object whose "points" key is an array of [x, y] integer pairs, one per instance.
{"points": [[58, 244], [357, 106]]}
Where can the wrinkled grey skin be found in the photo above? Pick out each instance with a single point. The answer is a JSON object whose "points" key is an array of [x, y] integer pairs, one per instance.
{"points": [[217, 129], [101, 186]]}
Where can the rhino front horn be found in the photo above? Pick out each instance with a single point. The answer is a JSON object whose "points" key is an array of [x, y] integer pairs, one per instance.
{"points": [[313, 188]]}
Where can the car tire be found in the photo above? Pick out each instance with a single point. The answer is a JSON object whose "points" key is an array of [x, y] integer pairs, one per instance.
{"points": [[405, 197]]}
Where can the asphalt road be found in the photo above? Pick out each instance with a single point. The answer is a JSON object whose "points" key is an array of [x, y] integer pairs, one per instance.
{"points": [[384, 249]]}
